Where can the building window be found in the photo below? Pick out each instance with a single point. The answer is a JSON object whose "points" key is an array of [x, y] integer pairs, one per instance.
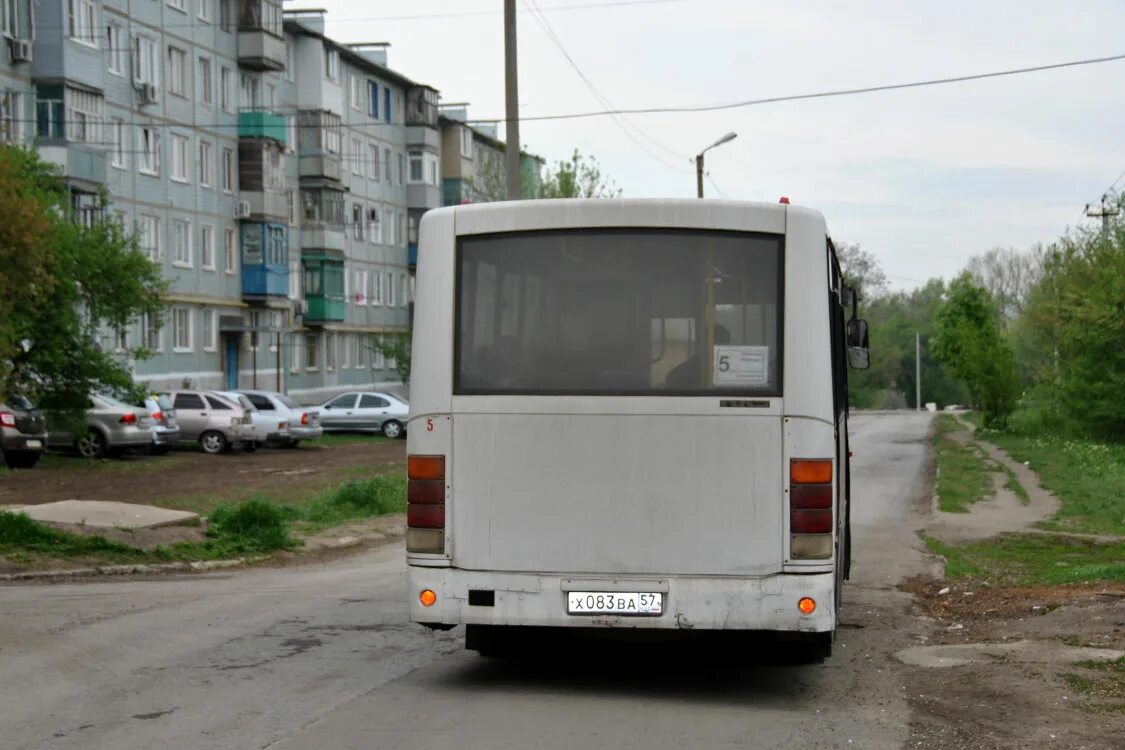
{"points": [[150, 330], [226, 94], [400, 229], [416, 172], [411, 230], [329, 351], [230, 252], [248, 91], [361, 287], [387, 167], [357, 221], [389, 226], [401, 160], [376, 288], [386, 104], [118, 49], [207, 247], [402, 300], [11, 116], [357, 156], [181, 329], [330, 133], [356, 89], [206, 165], [228, 170], [64, 112], [177, 71], [376, 226], [290, 60], [360, 350], [373, 99], [178, 5], [181, 242], [331, 64], [117, 142], [466, 142], [373, 161], [149, 147], [148, 230], [146, 62], [294, 354], [343, 344], [206, 84], [324, 207], [210, 331], [312, 351], [121, 340], [390, 289], [83, 17], [226, 17], [204, 10], [180, 159]]}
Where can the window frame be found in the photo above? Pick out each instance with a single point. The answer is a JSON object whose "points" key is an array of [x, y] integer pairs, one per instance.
{"points": [[182, 315], [207, 248]]}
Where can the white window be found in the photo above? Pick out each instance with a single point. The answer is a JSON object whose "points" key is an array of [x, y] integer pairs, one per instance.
{"points": [[376, 288], [146, 62], [148, 229], [178, 5], [312, 351], [390, 289], [83, 17], [331, 64], [361, 350], [271, 96], [248, 91], [357, 221], [330, 133], [117, 140], [378, 361], [181, 242], [401, 168], [121, 339], [11, 116], [226, 93], [361, 287], [118, 48], [207, 247], [206, 83], [177, 71], [387, 165], [417, 174], [389, 226], [295, 354], [204, 10], [343, 342], [210, 331], [400, 229], [151, 333], [230, 251], [373, 161], [180, 158], [356, 92], [181, 329], [376, 226], [149, 147], [206, 164], [228, 170], [290, 60], [330, 351], [466, 142], [84, 115], [432, 170], [357, 156], [402, 300]]}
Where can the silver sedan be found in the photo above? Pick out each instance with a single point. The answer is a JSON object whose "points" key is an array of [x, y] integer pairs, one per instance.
{"points": [[365, 411]]}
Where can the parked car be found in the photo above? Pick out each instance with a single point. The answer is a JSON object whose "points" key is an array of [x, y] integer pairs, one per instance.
{"points": [[112, 427], [216, 422], [165, 428], [365, 411], [304, 421], [271, 429], [23, 433]]}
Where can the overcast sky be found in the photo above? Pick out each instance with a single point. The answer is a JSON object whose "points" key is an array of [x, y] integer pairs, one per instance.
{"points": [[923, 178]]}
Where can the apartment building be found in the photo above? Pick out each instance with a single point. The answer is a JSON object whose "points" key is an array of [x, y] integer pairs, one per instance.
{"points": [[474, 162], [267, 169]]}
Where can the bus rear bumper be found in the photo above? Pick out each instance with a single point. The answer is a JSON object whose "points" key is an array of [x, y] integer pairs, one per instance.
{"points": [[763, 603]]}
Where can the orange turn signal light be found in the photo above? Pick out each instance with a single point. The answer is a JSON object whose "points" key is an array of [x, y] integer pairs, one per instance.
{"points": [[428, 598], [807, 606], [810, 471], [425, 467]]}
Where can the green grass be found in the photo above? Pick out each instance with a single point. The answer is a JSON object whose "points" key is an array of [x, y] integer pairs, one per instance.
{"points": [[345, 438], [1103, 679], [964, 473], [1033, 560], [21, 535], [1087, 477], [947, 423], [1012, 483]]}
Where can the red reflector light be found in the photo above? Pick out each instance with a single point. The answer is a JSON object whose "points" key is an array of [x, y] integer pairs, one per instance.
{"points": [[810, 521], [128, 418], [810, 496], [810, 471], [305, 418], [8, 420], [425, 491], [426, 467], [158, 416], [420, 516]]}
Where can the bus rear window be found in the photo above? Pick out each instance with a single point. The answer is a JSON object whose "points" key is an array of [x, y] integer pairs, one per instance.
{"points": [[619, 312]]}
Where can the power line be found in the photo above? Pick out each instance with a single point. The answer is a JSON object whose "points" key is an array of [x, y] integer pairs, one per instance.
{"points": [[815, 95]]}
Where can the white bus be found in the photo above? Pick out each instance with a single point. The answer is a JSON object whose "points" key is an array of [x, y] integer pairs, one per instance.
{"points": [[629, 414]]}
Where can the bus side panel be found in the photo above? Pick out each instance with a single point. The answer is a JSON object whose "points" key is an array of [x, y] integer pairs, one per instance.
{"points": [[431, 372], [808, 354]]}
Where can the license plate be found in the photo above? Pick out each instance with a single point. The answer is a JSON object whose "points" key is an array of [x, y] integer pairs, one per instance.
{"points": [[33, 443], [614, 602]]}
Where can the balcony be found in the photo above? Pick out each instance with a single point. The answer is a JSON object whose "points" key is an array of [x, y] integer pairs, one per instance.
{"points": [[79, 163], [262, 124], [324, 287], [261, 175], [266, 205], [265, 261], [261, 44]]}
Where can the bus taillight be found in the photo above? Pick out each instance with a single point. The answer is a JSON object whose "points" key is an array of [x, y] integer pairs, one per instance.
{"points": [[810, 509], [425, 504]]}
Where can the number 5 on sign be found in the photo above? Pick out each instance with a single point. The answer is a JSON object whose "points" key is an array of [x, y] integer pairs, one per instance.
{"points": [[742, 365]]}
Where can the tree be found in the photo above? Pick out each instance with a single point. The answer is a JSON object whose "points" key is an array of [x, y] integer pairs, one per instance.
{"points": [[1009, 275], [64, 283], [396, 348], [861, 271], [969, 344], [577, 177]]}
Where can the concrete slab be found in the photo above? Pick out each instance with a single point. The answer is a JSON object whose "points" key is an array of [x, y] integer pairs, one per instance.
{"points": [[105, 514]]}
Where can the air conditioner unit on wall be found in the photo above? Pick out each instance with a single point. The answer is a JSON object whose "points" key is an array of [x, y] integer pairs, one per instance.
{"points": [[147, 92], [243, 210], [20, 49]]}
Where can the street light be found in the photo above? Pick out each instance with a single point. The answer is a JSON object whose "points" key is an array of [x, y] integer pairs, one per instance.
{"points": [[699, 160]]}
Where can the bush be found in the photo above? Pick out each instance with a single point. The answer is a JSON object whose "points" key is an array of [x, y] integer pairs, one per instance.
{"points": [[358, 499], [255, 525]]}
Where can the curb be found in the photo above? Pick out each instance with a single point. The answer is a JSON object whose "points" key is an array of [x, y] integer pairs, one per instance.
{"points": [[120, 570]]}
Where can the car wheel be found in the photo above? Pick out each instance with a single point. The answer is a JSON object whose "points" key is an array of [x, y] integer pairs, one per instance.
{"points": [[91, 445], [213, 442], [392, 429], [21, 460]]}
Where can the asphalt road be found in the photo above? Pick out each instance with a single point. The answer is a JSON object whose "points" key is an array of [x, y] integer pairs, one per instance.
{"points": [[320, 657]]}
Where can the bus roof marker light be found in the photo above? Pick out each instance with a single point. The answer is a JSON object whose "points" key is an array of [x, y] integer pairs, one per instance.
{"points": [[806, 605], [784, 200], [429, 598]]}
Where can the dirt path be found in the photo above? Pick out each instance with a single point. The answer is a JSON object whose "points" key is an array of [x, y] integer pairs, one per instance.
{"points": [[153, 479]]}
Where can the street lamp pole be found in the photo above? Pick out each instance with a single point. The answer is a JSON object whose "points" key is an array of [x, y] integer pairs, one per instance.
{"points": [[699, 161]]}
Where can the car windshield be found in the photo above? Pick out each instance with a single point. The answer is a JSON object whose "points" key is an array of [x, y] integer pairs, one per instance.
{"points": [[289, 402]]}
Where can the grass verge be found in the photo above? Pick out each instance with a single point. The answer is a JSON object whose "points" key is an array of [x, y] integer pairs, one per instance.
{"points": [[1033, 560], [1087, 478], [20, 535], [344, 438], [964, 473], [1101, 680]]}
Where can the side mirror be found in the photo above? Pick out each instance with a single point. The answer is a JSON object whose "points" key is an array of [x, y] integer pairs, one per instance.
{"points": [[859, 357]]}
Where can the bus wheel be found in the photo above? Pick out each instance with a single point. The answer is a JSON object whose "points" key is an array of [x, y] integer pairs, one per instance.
{"points": [[491, 641]]}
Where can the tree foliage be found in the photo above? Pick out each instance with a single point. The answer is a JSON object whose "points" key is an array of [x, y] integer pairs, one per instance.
{"points": [[63, 283], [968, 342], [577, 177], [1009, 275], [396, 347], [861, 271]]}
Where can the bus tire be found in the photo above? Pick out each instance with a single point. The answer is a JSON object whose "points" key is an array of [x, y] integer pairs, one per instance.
{"points": [[490, 641]]}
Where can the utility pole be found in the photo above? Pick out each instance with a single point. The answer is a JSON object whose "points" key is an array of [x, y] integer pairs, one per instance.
{"points": [[917, 371], [699, 176], [511, 102], [1104, 213]]}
